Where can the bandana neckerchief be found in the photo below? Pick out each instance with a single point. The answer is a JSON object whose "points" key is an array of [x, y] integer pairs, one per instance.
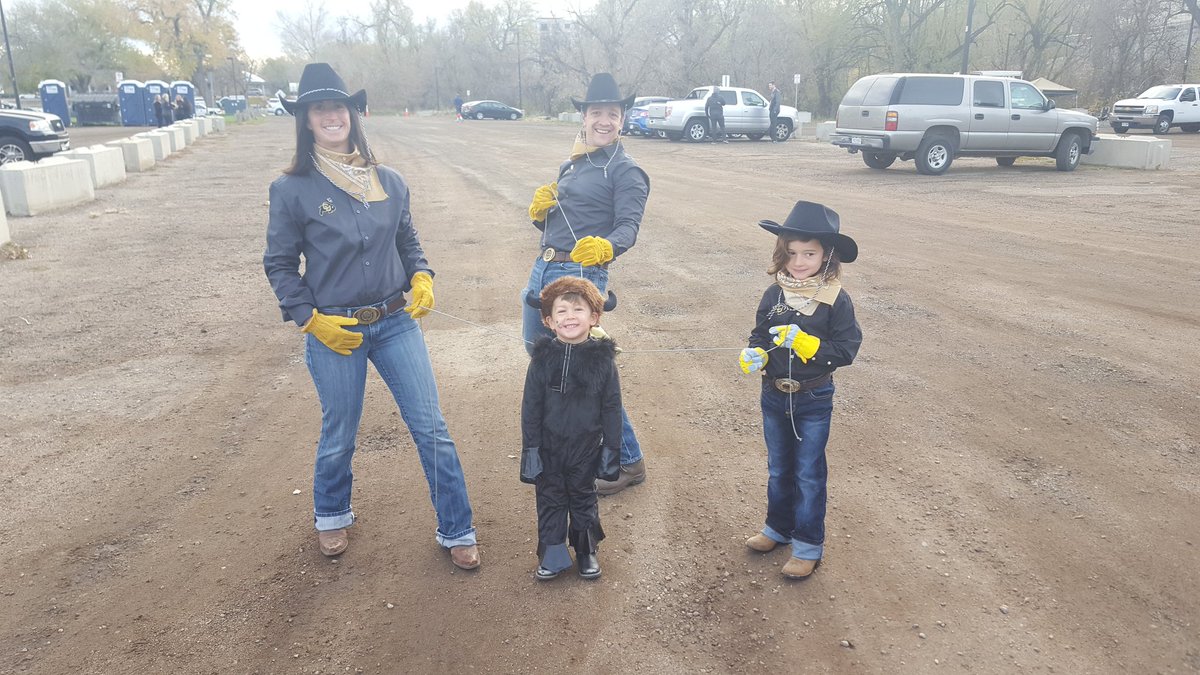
{"points": [[339, 166], [804, 295], [581, 148]]}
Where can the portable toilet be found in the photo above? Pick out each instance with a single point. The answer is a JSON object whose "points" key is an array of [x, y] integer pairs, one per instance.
{"points": [[153, 89], [131, 95], [187, 90], [54, 99]]}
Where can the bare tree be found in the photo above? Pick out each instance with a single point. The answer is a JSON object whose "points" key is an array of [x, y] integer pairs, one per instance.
{"points": [[303, 33]]}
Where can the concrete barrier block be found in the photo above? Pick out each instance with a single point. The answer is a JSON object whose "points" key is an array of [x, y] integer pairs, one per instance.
{"points": [[188, 128], [203, 126], [107, 165], [160, 142], [177, 139], [5, 233], [825, 130], [570, 117], [1130, 152], [30, 188], [218, 124], [138, 153]]}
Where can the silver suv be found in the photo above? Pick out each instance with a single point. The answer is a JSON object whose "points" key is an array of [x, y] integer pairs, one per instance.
{"points": [[931, 119]]}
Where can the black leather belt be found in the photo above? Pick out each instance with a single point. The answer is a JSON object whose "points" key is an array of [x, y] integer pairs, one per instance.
{"points": [[789, 386], [371, 313], [554, 255]]}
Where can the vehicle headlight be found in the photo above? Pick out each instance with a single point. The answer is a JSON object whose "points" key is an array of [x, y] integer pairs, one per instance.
{"points": [[1151, 110], [41, 125]]}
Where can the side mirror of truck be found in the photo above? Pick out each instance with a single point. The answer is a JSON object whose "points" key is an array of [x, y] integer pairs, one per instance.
{"points": [[1049, 104]]}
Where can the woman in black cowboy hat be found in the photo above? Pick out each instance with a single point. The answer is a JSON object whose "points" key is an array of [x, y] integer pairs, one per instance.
{"points": [[349, 218], [805, 329], [588, 218]]}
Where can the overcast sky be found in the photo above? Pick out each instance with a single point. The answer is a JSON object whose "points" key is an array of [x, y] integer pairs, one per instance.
{"points": [[256, 18]]}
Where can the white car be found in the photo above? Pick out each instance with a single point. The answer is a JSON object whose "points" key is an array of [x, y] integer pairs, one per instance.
{"points": [[201, 108], [1159, 108], [745, 113], [275, 106]]}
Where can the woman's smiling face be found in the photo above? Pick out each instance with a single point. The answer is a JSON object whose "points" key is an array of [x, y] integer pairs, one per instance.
{"points": [[330, 123], [601, 124]]}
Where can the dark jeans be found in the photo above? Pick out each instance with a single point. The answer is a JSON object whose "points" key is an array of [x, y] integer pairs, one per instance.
{"points": [[774, 121], [715, 123], [796, 468]]}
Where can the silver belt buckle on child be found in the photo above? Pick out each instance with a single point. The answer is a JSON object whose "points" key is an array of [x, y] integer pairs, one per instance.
{"points": [[787, 385]]}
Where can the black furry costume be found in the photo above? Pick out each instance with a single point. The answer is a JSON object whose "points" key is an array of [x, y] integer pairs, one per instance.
{"points": [[571, 416]]}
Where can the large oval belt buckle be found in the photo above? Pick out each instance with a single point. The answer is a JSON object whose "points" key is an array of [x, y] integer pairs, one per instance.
{"points": [[367, 315], [548, 255], [787, 385]]}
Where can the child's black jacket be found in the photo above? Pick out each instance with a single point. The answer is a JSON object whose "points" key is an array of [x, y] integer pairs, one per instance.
{"points": [[834, 324], [572, 396]]}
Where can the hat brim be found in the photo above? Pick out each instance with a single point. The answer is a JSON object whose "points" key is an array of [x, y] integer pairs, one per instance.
{"points": [[358, 100], [625, 103], [847, 248]]}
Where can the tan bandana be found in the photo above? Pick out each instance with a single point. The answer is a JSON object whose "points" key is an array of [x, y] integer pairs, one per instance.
{"points": [[581, 148], [351, 173], [804, 295]]}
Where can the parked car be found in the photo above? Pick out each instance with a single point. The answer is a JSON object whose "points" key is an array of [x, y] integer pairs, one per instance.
{"points": [[275, 106], [201, 109], [477, 110], [26, 135], [745, 113], [635, 117], [931, 119], [1159, 108]]}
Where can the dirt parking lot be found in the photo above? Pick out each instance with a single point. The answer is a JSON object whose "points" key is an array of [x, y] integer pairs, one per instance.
{"points": [[1014, 483]]}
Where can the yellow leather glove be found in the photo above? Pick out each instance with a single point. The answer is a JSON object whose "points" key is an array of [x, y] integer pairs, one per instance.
{"points": [[421, 298], [328, 329], [544, 199], [802, 343], [592, 251], [752, 359]]}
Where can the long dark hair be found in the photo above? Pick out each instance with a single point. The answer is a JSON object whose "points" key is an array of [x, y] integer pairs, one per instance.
{"points": [[302, 162], [779, 257]]}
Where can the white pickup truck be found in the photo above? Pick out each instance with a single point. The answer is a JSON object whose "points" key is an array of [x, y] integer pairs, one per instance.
{"points": [[1159, 108], [745, 113]]}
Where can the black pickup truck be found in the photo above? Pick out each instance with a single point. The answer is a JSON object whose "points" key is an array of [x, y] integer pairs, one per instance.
{"points": [[30, 135]]}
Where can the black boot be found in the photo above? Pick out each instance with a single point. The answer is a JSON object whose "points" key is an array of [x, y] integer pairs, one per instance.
{"points": [[585, 555]]}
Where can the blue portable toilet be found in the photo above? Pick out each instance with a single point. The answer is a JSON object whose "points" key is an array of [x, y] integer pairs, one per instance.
{"points": [[154, 88], [187, 90], [54, 99], [131, 96]]}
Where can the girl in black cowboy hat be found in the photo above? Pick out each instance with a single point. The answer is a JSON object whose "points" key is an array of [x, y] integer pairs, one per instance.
{"points": [[805, 329], [589, 217], [349, 218]]}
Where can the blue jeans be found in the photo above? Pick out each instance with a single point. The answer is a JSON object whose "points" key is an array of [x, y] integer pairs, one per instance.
{"points": [[397, 348], [531, 323], [796, 469]]}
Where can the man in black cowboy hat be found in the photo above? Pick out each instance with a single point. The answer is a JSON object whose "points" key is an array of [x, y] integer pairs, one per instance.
{"points": [[589, 217]]}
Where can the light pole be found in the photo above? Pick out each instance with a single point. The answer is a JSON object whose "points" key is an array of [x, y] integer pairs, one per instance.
{"points": [[520, 92], [1187, 53], [966, 60], [1007, 42], [12, 72]]}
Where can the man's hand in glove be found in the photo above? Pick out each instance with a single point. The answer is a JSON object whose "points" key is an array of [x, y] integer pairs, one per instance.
{"points": [[752, 359], [421, 298], [592, 251], [793, 338], [328, 329], [544, 199]]}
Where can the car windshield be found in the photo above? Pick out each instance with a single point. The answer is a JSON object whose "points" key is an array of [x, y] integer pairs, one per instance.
{"points": [[1161, 92]]}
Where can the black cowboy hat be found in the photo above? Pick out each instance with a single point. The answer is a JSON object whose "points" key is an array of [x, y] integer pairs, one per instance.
{"points": [[815, 221], [603, 89], [318, 82]]}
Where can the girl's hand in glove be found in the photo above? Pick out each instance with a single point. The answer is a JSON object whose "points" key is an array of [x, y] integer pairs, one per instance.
{"points": [[328, 329], [793, 338], [421, 298], [752, 359]]}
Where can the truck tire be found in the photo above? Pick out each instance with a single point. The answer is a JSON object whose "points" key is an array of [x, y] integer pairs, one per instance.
{"points": [[782, 131], [1119, 128], [879, 160], [1070, 149], [1190, 128], [934, 155], [1006, 161], [1162, 125], [13, 149], [695, 130]]}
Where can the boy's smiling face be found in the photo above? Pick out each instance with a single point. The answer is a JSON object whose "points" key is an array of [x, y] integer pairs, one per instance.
{"points": [[571, 320]]}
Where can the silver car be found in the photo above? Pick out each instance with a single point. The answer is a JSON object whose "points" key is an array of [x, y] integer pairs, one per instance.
{"points": [[931, 119]]}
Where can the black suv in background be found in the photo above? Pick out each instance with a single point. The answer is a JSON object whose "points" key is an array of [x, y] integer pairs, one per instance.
{"points": [[30, 135]]}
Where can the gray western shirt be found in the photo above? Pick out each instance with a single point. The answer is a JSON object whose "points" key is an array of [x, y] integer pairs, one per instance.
{"points": [[353, 255], [596, 206]]}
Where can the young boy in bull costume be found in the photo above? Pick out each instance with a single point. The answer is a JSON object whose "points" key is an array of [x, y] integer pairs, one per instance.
{"points": [[571, 426]]}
